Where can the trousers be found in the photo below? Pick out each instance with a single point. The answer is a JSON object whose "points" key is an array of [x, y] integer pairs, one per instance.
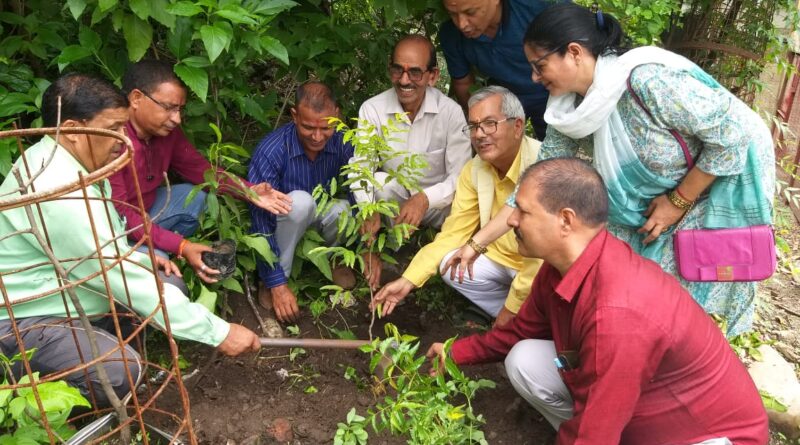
{"points": [[490, 284], [61, 343], [533, 374], [291, 227]]}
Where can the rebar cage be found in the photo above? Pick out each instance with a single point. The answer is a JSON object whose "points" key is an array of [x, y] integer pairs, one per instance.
{"points": [[135, 417]]}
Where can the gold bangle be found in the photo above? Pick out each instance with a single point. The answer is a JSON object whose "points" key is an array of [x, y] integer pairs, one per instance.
{"points": [[678, 201], [477, 247]]}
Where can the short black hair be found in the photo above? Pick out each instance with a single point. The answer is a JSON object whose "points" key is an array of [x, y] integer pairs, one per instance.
{"points": [[421, 39], [315, 95], [570, 183], [83, 97], [146, 75]]}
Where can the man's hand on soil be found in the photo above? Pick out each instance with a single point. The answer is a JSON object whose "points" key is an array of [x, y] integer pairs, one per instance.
{"points": [[391, 294], [284, 303], [192, 253], [239, 340], [412, 211]]}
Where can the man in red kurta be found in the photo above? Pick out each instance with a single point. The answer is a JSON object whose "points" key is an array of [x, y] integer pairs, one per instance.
{"points": [[608, 347], [157, 98]]}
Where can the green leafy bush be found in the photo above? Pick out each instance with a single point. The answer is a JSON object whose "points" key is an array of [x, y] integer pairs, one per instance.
{"points": [[22, 421]]}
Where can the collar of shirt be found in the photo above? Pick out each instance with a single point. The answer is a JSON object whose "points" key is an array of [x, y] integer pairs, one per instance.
{"points": [[295, 149], [514, 171], [576, 275], [429, 104]]}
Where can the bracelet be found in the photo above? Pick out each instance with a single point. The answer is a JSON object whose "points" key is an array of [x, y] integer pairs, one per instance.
{"points": [[183, 244], [678, 191], [477, 247], [678, 201]]}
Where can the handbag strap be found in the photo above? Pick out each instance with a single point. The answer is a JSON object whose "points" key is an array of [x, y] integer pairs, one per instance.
{"points": [[675, 134]]}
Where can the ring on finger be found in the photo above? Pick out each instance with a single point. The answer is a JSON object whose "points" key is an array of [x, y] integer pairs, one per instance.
{"points": [[203, 268]]}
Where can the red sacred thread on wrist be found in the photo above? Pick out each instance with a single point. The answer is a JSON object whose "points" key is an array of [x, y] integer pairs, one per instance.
{"points": [[678, 191], [183, 244]]}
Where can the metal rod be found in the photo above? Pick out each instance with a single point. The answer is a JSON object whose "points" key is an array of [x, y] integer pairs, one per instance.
{"points": [[311, 343]]}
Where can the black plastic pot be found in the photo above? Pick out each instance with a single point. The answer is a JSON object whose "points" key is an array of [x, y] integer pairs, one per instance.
{"points": [[222, 257]]}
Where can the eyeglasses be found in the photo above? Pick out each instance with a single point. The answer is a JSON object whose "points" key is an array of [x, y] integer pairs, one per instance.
{"points": [[168, 108], [537, 70], [415, 74], [489, 126]]}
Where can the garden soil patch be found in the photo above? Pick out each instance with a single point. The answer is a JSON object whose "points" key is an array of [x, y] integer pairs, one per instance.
{"points": [[251, 399]]}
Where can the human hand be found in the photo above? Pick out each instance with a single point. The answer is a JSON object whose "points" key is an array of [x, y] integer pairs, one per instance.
{"points": [[436, 354], [167, 266], [284, 303], [192, 253], [271, 200], [391, 294], [239, 340], [412, 211], [504, 317], [462, 260], [661, 215], [372, 269], [371, 226]]}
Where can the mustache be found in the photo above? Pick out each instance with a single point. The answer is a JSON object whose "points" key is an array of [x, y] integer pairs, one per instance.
{"points": [[517, 232]]}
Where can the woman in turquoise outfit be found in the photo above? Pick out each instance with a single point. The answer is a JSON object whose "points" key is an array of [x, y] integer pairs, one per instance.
{"points": [[576, 55]]}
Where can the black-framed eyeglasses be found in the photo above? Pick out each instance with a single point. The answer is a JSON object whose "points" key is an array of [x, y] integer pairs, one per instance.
{"points": [[415, 74], [537, 70], [168, 108], [489, 126]]}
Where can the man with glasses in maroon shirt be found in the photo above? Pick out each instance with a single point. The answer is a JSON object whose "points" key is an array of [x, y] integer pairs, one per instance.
{"points": [[157, 99], [609, 348]]}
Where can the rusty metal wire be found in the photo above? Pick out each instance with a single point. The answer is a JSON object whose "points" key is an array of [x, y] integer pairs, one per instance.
{"points": [[140, 409]]}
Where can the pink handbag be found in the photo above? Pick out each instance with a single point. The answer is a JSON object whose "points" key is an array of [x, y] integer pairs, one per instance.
{"points": [[737, 254]]}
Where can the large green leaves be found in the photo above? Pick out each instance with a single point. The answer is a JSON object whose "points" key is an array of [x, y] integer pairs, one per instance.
{"points": [[216, 38], [276, 48], [71, 54], [138, 36], [185, 9], [195, 78]]}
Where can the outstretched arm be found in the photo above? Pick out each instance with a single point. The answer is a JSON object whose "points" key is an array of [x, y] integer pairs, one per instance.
{"points": [[465, 257]]}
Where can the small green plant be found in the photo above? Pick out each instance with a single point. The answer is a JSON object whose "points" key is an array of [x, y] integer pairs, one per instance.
{"points": [[421, 405], [353, 432], [374, 153], [21, 421], [226, 218]]}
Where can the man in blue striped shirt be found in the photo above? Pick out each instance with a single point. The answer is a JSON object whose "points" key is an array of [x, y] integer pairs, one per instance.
{"points": [[294, 159]]}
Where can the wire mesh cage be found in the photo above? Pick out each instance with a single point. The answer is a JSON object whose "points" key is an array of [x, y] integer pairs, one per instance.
{"points": [[78, 299]]}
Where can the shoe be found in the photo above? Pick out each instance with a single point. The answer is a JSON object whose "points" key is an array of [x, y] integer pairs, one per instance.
{"points": [[343, 277], [264, 297]]}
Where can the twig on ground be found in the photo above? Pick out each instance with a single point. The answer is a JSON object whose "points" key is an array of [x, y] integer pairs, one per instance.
{"points": [[269, 326], [789, 311]]}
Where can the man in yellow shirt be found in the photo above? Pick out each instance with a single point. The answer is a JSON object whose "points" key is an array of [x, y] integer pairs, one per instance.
{"points": [[502, 277]]}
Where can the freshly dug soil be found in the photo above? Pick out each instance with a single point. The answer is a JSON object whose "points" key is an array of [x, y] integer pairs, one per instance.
{"points": [[247, 400]]}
